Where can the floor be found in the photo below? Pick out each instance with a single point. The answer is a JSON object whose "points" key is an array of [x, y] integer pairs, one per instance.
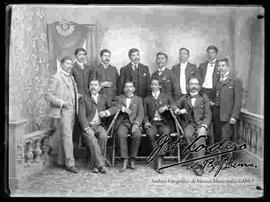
{"points": [[144, 182]]}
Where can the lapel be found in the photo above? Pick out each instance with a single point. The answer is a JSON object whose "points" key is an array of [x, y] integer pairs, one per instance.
{"points": [[65, 79], [189, 101], [140, 69], [132, 101], [204, 70], [228, 80], [179, 70], [131, 72], [198, 100]]}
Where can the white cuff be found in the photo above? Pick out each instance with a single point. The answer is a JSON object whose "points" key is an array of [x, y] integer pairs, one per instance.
{"points": [[108, 113], [204, 125]]}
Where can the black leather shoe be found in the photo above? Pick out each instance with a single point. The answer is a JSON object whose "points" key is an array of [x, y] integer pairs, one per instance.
{"points": [[102, 170], [132, 165], [72, 169], [124, 166], [198, 172], [95, 170]]}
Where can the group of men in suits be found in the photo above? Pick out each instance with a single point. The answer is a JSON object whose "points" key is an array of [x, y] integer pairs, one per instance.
{"points": [[193, 94]]}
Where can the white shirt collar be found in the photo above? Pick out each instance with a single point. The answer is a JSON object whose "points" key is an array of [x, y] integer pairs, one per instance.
{"points": [[211, 62], [133, 64], [183, 63], [129, 96], [162, 69], [104, 65], [80, 63], [193, 94], [156, 94], [225, 76]]}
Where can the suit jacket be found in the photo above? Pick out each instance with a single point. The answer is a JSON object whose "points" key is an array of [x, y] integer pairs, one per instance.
{"points": [[203, 70], [191, 71], [142, 84], [82, 77], [201, 109], [58, 91], [136, 106], [88, 106], [151, 105], [109, 74], [231, 98], [168, 83]]}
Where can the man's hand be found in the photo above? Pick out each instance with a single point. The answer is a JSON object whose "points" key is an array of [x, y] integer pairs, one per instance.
{"points": [[65, 105], [162, 109], [107, 84], [134, 128], [147, 125], [126, 110], [202, 131], [180, 111], [232, 120], [212, 103], [102, 114], [90, 132]]}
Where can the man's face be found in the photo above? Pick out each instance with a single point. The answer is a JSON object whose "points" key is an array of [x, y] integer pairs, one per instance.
{"points": [[212, 55], [222, 67], [155, 85], [81, 56], [129, 89], [183, 56], [106, 57], [67, 66], [94, 87], [161, 61], [135, 57], [194, 85]]}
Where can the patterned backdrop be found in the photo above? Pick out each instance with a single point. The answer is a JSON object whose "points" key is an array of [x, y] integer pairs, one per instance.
{"points": [[28, 67]]}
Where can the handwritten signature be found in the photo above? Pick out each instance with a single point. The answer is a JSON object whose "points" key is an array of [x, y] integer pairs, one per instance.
{"points": [[223, 147]]}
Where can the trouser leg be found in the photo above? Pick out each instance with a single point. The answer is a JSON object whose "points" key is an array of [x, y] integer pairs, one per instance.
{"points": [[122, 132]]}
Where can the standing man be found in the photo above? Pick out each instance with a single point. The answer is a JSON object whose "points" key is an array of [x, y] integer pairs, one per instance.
{"points": [[107, 75], [184, 70], [136, 72], [62, 96], [82, 74], [196, 107], [209, 72], [130, 123], [92, 109], [156, 121], [228, 102], [168, 81]]}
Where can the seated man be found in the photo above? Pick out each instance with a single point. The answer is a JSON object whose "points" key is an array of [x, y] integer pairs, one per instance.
{"points": [[92, 108], [156, 121], [197, 107], [129, 122]]}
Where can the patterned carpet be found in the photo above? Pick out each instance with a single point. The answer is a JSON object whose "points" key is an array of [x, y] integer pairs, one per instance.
{"points": [[144, 182]]}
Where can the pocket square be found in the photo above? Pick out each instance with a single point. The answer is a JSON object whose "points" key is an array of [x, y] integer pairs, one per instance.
{"points": [[144, 74]]}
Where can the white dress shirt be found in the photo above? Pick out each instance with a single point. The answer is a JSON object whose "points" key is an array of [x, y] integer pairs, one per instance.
{"points": [[81, 64], [193, 100], [134, 66], [183, 77], [157, 115], [208, 81], [161, 70], [96, 119]]}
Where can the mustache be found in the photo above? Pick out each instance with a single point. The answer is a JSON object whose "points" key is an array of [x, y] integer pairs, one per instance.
{"points": [[107, 60]]}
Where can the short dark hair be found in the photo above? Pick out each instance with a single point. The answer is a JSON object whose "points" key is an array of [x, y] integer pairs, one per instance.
{"points": [[65, 58], [161, 53], [129, 81], [213, 48], [183, 49], [104, 51], [79, 50], [193, 77], [132, 50], [156, 78], [224, 60]]}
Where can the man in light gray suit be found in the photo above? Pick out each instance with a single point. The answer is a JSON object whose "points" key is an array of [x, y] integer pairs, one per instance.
{"points": [[63, 98]]}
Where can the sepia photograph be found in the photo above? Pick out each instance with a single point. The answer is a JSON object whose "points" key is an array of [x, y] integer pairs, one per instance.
{"points": [[135, 101]]}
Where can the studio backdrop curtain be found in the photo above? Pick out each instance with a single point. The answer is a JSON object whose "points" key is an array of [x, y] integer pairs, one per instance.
{"points": [[64, 41]]}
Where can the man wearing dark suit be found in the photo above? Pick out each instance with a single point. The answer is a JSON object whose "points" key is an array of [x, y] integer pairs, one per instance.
{"points": [[169, 83], [184, 70], [129, 123], [209, 72], [196, 107], [228, 102], [107, 75], [92, 109], [136, 72], [81, 72], [156, 120]]}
